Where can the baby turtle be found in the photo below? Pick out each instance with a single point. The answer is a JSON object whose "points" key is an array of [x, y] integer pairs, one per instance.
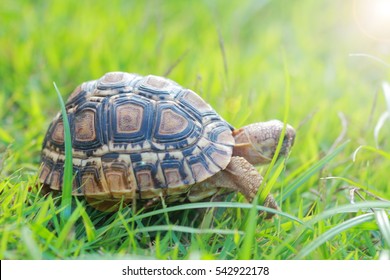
{"points": [[139, 139]]}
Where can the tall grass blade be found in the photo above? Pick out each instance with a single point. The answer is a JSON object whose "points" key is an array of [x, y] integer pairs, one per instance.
{"points": [[310, 222], [385, 116], [271, 182], [90, 230], [246, 251], [382, 119], [177, 228], [66, 199], [265, 190], [371, 149], [309, 172], [364, 206], [377, 59], [386, 93], [384, 225], [202, 205], [67, 230], [332, 233]]}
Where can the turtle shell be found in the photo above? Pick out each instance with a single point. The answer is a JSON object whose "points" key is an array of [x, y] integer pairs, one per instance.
{"points": [[136, 137]]}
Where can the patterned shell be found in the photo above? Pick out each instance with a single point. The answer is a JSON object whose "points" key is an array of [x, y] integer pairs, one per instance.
{"points": [[136, 137]]}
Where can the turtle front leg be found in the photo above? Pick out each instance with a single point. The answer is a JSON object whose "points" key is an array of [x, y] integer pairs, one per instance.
{"points": [[239, 176]]}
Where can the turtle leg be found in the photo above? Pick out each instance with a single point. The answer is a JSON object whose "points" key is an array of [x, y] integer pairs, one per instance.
{"points": [[238, 176]]}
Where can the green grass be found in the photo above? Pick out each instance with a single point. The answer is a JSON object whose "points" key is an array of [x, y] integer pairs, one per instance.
{"points": [[66, 191], [251, 61]]}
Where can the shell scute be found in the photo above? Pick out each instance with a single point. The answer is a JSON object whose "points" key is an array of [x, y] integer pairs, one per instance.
{"points": [[156, 88], [130, 118]]}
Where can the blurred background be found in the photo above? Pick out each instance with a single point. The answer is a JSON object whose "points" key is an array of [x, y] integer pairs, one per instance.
{"points": [[235, 54]]}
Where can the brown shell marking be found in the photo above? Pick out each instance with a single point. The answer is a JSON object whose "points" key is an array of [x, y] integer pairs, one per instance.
{"points": [[196, 101], [91, 186], [171, 123], [85, 126], [129, 118], [116, 181], [55, 180], [58, 133], [75, 93], [119, 176], [45, 172], [112, 78], [172, 176], [144, 179], [199, 172], [156, 82], [226, 138]]}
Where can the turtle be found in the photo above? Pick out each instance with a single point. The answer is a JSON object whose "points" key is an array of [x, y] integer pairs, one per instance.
{"points": [[139, 139]]}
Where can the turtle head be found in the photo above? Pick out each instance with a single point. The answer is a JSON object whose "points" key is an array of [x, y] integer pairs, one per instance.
{"points": [[257, 142]]}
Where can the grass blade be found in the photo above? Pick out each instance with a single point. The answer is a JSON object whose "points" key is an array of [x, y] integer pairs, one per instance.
{"points": [[186, 229], [246, 251], [351, 208], [371, 149], [308, 173], [66, 198], [67, 230], [265, 190], [201, 205], [271, 182], [333, 232], [384, 225], [374, 58], [90, 230], [382, 119], [386, 93], [310, 222], [33, 248]]}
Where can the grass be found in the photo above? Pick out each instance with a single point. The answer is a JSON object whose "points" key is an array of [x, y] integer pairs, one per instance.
{"points": [[66, 195], [243, 58]]}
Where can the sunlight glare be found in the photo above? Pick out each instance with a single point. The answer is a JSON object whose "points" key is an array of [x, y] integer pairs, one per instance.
{"points": [[373, 17], [381, 10]]}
